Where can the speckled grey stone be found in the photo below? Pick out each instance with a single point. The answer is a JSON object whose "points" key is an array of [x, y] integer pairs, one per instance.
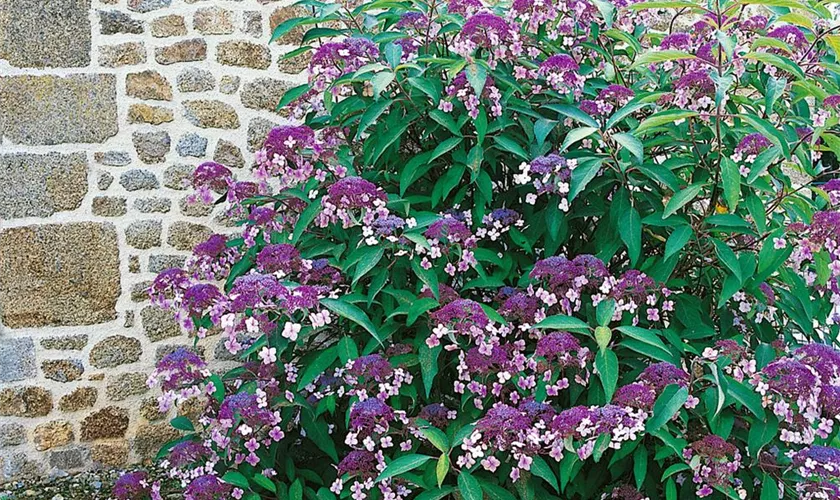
{"points": [[112, 22], [48, 110], [151, 146], [33, 185], [125, 385], [228, 153], [144, 234], [159, 324], [65, 343], [136, 180], [176, 175], [257, 130], [195, 80], [69, 459], [153, 205], [17, 359], [263, 93], [112, 158], [148, 5], [229, 84], [158, 263], [11, 434], [191, 145], [114, 351], [39, 33], [108, 206], [105, 180]]}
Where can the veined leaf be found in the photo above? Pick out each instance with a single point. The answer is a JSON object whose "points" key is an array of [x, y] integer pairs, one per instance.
{"points": [[663, 118], [403, 464], [680, 199], [666, 406], [353, 313]]}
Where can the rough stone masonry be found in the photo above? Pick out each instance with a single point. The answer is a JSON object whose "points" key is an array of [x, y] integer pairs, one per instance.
{"points": [[106, 106]]}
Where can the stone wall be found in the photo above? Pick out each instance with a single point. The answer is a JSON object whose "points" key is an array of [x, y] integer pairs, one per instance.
{"points": [[105, 107]]}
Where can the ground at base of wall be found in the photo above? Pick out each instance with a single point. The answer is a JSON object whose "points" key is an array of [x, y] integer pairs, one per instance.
{"points": [[92, 485]]}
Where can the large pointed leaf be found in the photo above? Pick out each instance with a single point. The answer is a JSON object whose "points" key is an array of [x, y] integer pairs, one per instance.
{"points": [[353, 313], [561, 322], [680, 199], [402, 465], [666, 406]]}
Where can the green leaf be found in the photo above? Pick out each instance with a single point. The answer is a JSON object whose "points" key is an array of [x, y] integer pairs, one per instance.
{"points": [[731, 183], [428, 365], [292, 94], [561, 322], [630, 230], [775, 88], [677, 240], [402, 465], [437, 437], [582, 175], [631, 144], [476, 76], [318, 432], [640, 463], [728, 258], [370, 257], [628, 109], [264, 482], [658, 56], [663, 118], [444, 147], [286, 27], [442, 468], [607, 364], [541, 469], [380, 82], [576, 135], [542, 128], [305, 219], [604, 312], [603, 335], [761, 432], [680, 199], [574, 113], [296, 490], [769, 488], [370, 115], [666, 406], [347, 350], [436, 494], [507, 144], [427, 276], [317, 366], [237, 479], [769, 131], [780, 62], [469, 487], [182, 423], [353, 313], [746, 396]]}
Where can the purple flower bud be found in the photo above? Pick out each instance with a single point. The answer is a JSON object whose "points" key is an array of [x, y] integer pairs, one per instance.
{"points": [[132, 486], [367, 415], [358, 463], [436, 414], [372, 366], [462, 314], [660, 375], [212, 175], [355, 192], [288, 140], [279, 257], [208, 487], [215, 245]]}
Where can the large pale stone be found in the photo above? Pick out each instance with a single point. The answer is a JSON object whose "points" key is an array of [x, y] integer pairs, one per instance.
{"points": [[39, 33], [263, 93], [59, 274], [47, 110], [33, 185], [244, 54], [211, 114], [114, 351]]}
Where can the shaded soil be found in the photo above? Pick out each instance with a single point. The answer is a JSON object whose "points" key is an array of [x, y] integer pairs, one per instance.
{"points": [[93, 485]]}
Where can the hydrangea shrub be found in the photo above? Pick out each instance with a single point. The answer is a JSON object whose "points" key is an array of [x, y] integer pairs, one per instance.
{"points": [[547, 249]]}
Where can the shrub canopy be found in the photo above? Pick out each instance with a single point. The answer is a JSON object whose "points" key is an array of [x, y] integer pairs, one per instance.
{"points": [[547, 249]]}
